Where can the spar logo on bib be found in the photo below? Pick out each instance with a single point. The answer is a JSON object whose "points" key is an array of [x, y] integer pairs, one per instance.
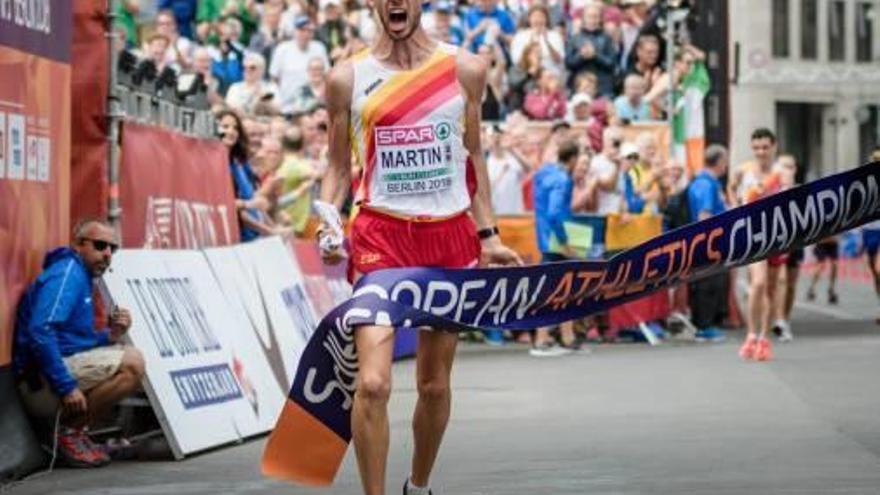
{"points": [[414, 159], [442, 131]]}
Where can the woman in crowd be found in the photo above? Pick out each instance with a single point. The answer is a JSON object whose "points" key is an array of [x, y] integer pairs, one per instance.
{"points": [[245, 95], [253, 222], [524, 75], [541, 34], [547, 101]]}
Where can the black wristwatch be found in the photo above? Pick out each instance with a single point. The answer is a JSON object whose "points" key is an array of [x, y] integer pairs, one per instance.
{"points": [[487, 232]]}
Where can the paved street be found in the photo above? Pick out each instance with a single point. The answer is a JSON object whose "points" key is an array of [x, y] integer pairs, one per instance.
{"points": [[628, 419]]}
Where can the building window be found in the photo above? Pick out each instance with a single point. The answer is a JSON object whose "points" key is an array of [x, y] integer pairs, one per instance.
{"points": [[836, 30], [864, 32], [809, 29], [780, 28]]}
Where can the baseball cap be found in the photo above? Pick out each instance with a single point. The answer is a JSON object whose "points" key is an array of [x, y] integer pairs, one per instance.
{"points": [[327, 3], [580, 99], [627, 149], [627, 3], [301, 21]]}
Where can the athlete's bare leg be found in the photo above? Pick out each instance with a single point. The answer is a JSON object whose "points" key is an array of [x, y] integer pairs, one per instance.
{"points": [[792, 274], [817, 274], [874, 265], [566, 331], [772, 310], [369, 414], [436, 351], [758, 313], [875, 270], [832, 278]]}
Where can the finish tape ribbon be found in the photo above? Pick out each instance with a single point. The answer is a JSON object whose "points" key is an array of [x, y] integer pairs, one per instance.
{"points": [[313, 432]]}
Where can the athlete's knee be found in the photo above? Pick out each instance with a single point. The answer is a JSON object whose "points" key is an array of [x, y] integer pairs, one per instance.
{"points": [[433, 389], [758, 285], [374, 387]]}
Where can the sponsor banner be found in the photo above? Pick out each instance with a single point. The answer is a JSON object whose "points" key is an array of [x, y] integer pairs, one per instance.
{"points": [[34, 145], [176, 191], [626, 231], [518, 233], [319, 403], [262, 282], [206, 378], [90, 67]]}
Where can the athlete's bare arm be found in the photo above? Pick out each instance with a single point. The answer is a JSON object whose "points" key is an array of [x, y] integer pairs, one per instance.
{"points": [[472, 77], [337, 180], [733, 181]]}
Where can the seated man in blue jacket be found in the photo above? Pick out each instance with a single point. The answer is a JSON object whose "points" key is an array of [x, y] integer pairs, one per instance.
{"points": [[61, 361]]}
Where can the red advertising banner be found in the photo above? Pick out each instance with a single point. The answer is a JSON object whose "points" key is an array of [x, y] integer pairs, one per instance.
{"points": [[89, 88], [175, 190], [34, 146]]}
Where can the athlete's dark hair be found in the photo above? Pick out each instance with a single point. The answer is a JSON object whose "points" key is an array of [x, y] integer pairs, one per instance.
{"points": [[714, 154], [567, 151], [764, 133]]}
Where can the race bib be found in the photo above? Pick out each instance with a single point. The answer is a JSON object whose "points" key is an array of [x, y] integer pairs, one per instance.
{"points": [[414, 159]]}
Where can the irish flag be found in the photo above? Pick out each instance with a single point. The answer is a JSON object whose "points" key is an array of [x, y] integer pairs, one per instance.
{"points": [[689, 128]]}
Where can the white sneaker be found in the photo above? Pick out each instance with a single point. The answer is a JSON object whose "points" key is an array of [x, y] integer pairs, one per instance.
{"points": [[548, 350], [785, 334]]}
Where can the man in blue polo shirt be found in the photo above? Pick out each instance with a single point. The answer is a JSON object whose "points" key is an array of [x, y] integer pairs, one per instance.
{"points": [[487, 22], [708, 296], [553, 188]]}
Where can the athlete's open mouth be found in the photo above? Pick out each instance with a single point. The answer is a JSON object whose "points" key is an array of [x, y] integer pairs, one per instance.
{"points": [[397, 17]]}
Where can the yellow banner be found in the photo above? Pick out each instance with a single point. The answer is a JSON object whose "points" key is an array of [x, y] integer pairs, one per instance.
{"points": [[626, 231]]}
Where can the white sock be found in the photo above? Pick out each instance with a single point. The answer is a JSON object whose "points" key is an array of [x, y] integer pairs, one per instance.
{"points": [[413, 489]]}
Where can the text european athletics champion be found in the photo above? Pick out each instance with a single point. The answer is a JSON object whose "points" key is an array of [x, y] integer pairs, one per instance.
{"points": [[423, 201]]}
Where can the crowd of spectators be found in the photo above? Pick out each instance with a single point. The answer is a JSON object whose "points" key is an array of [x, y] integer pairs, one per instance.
{"points": [[572, 64], [563, 75]]}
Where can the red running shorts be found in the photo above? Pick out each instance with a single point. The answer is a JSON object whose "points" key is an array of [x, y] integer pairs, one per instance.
{"points": [[378, 241]]}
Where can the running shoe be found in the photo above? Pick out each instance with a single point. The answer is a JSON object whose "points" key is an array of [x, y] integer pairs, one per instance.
{"points": [[832, 297], [406, 489], [763, 350], [494, 337], [711, 334], [784, 330], [578, 347], [748, 348], [76, 450], [548, 349]]}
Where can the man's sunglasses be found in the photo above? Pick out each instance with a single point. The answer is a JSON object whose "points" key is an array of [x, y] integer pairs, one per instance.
{"points": [[102, 245]]}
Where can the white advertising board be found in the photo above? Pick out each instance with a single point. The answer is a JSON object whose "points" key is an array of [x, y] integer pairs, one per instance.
{"points": [[265, 284], [205, 375]]}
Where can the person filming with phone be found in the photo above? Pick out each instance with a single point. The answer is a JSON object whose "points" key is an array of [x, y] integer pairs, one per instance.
{"points": [[66, 368]]}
